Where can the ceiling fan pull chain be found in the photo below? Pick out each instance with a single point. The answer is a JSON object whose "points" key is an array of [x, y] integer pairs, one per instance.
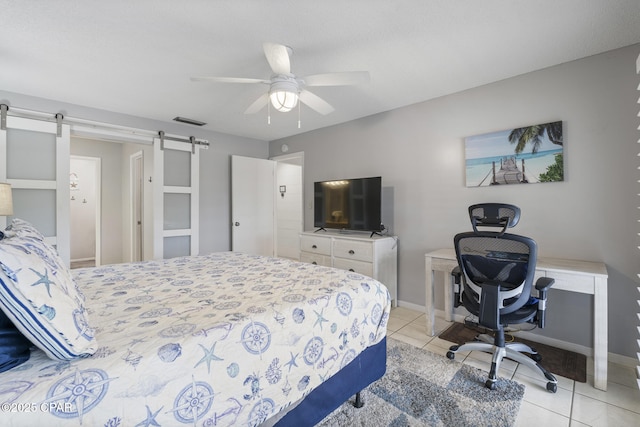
{"points": [[299, 114], [269, 113]]}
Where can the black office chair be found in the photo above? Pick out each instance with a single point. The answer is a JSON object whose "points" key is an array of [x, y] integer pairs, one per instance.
{"points": [[496, 270]]}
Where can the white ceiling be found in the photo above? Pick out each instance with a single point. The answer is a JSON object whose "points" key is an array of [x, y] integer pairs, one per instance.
{"points": [[136, 57]]}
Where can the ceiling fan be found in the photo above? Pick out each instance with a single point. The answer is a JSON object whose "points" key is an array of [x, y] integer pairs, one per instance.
{"points": [[286, 89]]}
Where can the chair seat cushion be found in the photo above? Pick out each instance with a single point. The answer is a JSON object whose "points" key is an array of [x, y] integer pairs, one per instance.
{"points": [[524, 314]]}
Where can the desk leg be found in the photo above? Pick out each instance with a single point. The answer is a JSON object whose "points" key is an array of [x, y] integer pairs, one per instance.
{"points": [[429, 308], [600, 342], [448, 298]]}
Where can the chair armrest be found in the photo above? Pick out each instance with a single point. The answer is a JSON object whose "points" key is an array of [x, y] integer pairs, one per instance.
{"points": [[543, 283], [456, 273], [542, 286]]}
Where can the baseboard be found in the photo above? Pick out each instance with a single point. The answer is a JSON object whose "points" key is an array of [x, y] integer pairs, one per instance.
{"points": [[411, 306], [623, 360], [564, 345], [82, 259]]}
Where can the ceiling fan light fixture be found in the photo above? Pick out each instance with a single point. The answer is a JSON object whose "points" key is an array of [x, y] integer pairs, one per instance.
{"points": [[284, 94], [284, 101]]}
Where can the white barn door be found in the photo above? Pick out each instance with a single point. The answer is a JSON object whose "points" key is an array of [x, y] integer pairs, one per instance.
{"points": [[34, 159], [253, 205], [176, 198]]}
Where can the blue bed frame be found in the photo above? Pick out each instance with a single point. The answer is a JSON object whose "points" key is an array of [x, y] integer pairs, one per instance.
{"points": [[368, 367]]}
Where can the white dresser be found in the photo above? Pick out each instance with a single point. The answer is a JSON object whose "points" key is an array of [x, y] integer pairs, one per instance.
{"points": [[375, 256]]}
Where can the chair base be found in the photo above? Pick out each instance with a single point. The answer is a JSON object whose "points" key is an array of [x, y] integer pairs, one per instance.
{"points": [[511, 351]]}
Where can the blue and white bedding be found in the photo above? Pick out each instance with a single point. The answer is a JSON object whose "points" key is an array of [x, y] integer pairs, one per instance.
{"points": [[216, 340]]}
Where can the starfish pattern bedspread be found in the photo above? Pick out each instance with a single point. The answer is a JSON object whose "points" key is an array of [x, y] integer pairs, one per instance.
{"points": [[215, 340]]}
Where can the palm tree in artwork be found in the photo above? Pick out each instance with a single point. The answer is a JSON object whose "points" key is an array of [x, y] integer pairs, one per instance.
{"points": [[534, 135]]}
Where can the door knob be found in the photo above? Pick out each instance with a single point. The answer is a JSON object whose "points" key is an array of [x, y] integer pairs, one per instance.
{"points": [[236, 223]]}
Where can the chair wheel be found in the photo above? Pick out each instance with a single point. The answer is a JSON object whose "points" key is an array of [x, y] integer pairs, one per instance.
{"points": [[491, 385], [536, 357], [552, 387], [451, 355]]}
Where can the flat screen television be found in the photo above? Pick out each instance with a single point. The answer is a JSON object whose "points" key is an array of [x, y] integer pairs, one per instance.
{"points": [[349, 204]]}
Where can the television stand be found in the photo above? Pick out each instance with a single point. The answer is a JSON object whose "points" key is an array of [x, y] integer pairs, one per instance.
{"points": [[320, 229]]}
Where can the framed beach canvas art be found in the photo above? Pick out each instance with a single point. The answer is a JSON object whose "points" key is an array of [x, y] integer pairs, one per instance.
{"points": [[523, 155]]}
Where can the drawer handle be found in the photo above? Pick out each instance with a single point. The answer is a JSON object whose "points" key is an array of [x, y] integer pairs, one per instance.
{"points": [[352, 270], [314, 247], [351, 252]]}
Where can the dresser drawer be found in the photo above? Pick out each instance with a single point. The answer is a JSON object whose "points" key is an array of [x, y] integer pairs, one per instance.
{"points": [[360, 267], [315, 259], [313, 244], [350, 249]]}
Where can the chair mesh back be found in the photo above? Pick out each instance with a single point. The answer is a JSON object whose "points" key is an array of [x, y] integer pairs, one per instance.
{"points": [[488, 258], [499, 258]]}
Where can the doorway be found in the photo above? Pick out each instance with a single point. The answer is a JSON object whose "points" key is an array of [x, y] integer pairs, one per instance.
{"points": [[84, 211], [115, 187], [289, 205]]}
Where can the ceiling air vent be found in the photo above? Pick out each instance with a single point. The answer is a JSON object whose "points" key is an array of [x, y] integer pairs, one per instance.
{"points": [[189, 121]]}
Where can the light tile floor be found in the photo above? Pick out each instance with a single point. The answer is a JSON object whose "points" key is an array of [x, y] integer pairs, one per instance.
{"points": [[574, 404]]}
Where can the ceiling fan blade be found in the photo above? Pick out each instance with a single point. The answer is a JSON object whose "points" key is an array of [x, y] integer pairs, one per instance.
{"points": [[258, 104], [315, 102], [337, 79], [278, 57], [228, 80]]}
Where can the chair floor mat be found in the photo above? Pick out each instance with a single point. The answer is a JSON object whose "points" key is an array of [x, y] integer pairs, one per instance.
{"points": [[564, 363]]}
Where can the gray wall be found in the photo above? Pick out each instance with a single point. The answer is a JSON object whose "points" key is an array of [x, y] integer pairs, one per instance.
{"points": [[215, 163], [592, 215]]}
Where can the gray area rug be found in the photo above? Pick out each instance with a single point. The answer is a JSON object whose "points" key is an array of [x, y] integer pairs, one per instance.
{"points": [[421, 388]]}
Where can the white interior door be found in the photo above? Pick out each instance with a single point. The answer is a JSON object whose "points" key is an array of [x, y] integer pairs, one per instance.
{"points": [[40, 184], [176, 198], [136, 193], [253, 205]]}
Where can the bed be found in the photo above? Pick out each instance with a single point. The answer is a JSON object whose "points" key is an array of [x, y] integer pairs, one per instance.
{"points": [[215, 340]]}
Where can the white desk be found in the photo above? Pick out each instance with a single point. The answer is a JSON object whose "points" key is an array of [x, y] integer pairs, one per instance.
{"points": [[570, 275]]}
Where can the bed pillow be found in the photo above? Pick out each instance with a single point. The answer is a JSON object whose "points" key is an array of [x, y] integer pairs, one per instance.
{"points": [[38, 294], [14, 347], [36, 243], [22, 228]]}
